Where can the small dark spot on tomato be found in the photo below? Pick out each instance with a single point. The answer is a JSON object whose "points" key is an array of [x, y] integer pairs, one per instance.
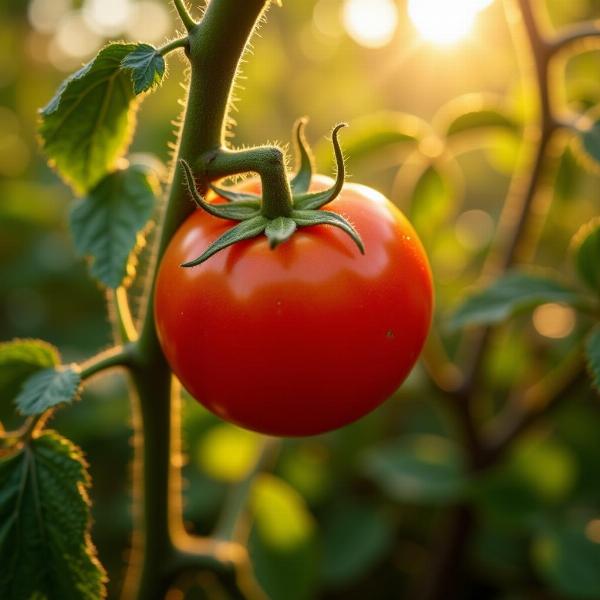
{"points": [[389, 334]]}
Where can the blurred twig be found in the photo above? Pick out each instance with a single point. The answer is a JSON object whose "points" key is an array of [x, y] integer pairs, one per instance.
{"points": [[572, 34], [535, 402], [535, 53]]}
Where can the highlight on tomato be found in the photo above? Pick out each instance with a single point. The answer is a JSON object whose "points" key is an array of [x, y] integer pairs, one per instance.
{"points": [[299, 319]]}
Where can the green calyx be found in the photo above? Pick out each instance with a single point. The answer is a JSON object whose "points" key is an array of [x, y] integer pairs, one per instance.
{"points": [[271, 213]]}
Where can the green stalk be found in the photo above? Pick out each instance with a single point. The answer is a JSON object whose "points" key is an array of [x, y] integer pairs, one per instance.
{"points": [[267, 161], [215, 46]]}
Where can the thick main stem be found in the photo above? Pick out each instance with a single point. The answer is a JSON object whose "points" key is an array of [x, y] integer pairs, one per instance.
{"points": [[215, 47]]}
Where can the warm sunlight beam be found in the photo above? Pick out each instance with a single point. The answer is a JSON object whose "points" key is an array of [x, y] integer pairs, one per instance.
{"points": [[370, 23], [445, 21]]}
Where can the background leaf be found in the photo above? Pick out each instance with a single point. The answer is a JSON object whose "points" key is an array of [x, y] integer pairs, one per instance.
{"points": [[374, 134], [568, 177], [433, 200], [282, 543], [508, 295], [87, 125], [424, 469], [538, 474], [587, 257], [590, 141], [45, 549], [48, 388], [592, 349], [147, 67], [472, 112], [106, 223], [355, 536], [19, 359], [569, 561]]}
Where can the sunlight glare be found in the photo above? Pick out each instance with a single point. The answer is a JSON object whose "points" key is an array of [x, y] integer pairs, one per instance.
{"points": [[106, 17], [44, 15], [370, 23], [149, 21], [445, 21]]}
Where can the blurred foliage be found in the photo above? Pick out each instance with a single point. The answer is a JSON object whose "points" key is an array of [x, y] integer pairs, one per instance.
{"points": [[352, 514]]}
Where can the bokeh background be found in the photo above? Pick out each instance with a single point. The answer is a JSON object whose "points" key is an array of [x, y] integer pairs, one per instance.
{"points": [[352, 514]]}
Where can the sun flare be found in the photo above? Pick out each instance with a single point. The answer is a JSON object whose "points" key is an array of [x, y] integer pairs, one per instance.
{"points": [[370, 23], [445, 21]]}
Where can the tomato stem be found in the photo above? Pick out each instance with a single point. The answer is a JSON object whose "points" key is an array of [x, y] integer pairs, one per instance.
{"points": [[276, 191], [215, 47]]}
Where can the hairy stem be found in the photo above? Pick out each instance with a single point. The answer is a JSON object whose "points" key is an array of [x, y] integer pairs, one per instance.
{"points": [[155, 480], [267, 161], [184, 14], [125, 326], [214, 48], [118, 356], [170, 46]]}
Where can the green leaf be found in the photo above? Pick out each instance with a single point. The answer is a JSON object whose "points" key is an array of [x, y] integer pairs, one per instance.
{"points": [[282, 543], [592, 352], [433, 200], [48, 388], [472, 112], [539, 473], [105, 225], [87, 125], [569, 176], [19, 359], [381, 132], [509, 295], [147, 67], [587, 257], [355, 537], [479, 119], [568, 560], [590, 140], [279, 230], [424, 469], [45, 547]]}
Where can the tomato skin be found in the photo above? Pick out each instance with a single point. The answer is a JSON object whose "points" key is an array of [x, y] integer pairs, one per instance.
{"points": [[305, 338]]}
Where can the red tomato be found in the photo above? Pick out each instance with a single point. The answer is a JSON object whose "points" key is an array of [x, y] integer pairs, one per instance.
{"points": [[304, 338]]}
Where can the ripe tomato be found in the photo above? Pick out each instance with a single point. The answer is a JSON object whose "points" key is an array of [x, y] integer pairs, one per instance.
{"points": [[304, 338]]}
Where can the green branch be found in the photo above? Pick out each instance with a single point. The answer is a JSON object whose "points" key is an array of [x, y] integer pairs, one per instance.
{"points": [[174, 45], [184, 14], [122, 316], [118, 356]]}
